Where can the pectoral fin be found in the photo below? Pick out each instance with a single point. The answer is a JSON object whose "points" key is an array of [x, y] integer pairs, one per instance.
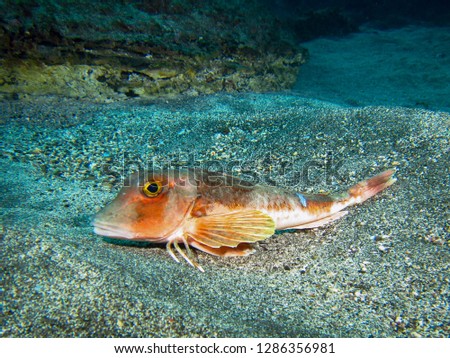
{"points": [[231, 229], [243, 249]]}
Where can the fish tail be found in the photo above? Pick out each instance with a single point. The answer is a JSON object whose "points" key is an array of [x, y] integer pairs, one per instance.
{"points": [[368, 188]]}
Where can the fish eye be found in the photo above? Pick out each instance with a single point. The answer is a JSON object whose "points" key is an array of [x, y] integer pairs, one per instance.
{"points": [[152, 188]]}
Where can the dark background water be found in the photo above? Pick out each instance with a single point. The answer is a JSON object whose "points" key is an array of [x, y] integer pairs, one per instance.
{"points": [[311, 19]]}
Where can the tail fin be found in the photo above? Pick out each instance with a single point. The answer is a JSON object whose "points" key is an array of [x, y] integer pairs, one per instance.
{"points": [[329, 208], [368, 188]]}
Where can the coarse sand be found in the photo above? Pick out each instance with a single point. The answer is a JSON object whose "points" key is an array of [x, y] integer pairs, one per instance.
{"points": [[381, 271]]}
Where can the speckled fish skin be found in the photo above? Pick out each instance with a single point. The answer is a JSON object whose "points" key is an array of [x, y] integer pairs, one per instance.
{"points": [[217, 213]]}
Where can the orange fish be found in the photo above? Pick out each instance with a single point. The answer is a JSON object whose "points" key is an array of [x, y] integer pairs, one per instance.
{"points": [[216, 213]]}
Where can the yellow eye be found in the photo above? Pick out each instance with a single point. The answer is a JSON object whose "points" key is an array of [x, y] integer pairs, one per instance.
{"points": [[152, 188]]}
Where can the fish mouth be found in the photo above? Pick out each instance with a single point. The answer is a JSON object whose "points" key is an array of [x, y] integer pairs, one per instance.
{"points": [[110, 230]]}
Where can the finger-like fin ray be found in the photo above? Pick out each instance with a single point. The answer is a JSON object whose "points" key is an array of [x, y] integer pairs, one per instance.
{"points": [[188, 256]]}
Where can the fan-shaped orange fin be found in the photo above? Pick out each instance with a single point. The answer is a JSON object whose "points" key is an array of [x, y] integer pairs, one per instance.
{"points": [[231, 229], [243, 249]]}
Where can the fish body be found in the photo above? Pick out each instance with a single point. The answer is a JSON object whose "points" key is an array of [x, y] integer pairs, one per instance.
{"points": [[218, 213]]}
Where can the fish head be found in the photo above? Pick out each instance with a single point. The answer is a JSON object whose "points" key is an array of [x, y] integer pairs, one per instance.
{"points": [[149, 207]]}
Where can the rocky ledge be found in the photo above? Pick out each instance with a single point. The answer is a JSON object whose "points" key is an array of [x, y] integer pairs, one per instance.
{"points": [[115, 50]]}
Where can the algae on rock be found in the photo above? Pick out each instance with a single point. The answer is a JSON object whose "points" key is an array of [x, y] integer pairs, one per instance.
{"points": [[148, 50]]}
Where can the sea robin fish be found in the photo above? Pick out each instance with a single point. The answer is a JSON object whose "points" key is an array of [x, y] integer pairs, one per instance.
{"points": [[217, 213]]}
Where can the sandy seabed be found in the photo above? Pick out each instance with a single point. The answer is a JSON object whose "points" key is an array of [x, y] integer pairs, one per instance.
{"points": [[381, 271]]}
